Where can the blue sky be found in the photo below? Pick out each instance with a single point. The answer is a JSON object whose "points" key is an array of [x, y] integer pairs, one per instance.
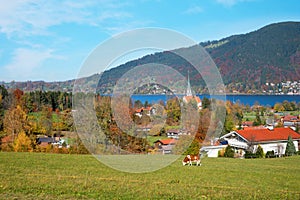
{"points": [[49, 40]]}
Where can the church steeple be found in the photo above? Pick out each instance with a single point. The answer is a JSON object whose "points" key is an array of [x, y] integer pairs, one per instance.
{"points": [[189, 91]]}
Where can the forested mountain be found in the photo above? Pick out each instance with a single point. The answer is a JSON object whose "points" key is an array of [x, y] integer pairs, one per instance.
{"points": [[270, 54], [246, 62]]}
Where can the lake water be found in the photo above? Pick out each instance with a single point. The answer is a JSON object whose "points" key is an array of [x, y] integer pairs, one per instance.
{"points": [[265, 100]]}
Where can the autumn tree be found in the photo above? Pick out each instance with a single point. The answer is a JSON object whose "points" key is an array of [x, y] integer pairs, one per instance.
{"points": [[1, 113], [173, 111], [78, 147], [22, 143], [18, 94], [116, 125], [15, 121], [45, 121], [155, 130], [278, 107], [287, 106], [67, 120], [204, 123]]}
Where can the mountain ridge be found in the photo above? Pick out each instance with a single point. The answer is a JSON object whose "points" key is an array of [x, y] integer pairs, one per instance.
{"points": [[246, 62]]}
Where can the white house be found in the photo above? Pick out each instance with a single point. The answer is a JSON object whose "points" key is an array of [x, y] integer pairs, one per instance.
{"points": [[270, 139], [147, 111]]}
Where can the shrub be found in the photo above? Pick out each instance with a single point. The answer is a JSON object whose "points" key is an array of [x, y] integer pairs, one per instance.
{"points": [[221, 153], [229, 152], [249, 154], [270, 154]]}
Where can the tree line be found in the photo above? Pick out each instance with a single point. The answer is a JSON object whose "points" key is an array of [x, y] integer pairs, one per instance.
{"points": [[26, 116]]}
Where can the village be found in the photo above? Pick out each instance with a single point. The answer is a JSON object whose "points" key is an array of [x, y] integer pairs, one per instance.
{"points": [[274, 133], [245, 129], [272, 137], [285, 87]]}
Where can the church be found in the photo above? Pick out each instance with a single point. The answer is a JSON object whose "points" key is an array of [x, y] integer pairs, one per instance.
{"points": [[189, 96]]}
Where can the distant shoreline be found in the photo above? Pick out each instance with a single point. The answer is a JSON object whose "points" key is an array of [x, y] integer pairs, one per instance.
{"points": [[226, 94], [246, 99]]}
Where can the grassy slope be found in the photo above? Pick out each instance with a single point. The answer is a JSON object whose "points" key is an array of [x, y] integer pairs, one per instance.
{"points": [[53, 176]]}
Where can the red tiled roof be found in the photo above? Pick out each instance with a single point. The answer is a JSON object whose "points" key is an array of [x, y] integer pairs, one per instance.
{"points": [[142, 109], [166, 141], [254, 127], [290, 118], [189, 98], [139, 110], [259, 135]]}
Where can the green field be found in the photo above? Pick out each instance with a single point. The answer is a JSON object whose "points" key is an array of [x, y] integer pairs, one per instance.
{"points": [[58, 176]]}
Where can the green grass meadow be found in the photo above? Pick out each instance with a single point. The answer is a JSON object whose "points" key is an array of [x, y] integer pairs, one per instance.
{"points": [[63, 176]]}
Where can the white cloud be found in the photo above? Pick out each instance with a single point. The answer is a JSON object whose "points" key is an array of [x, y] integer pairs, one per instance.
{"points": [[33, 17], [229, 3], [117, 28], [193, 10], [27, 61], [113, 15]]}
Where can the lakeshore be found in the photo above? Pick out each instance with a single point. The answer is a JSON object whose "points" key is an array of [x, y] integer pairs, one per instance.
{"points": [[264, 100]]}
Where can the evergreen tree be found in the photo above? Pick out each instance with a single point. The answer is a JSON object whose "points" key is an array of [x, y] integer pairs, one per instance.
{"points": [[260, 152], [162, 132], [205, 103], [257, 120], [290, 147]]}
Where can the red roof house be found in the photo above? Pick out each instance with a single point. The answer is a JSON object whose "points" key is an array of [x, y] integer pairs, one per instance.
{"points": [[165, 145], [268, 135], [166, 142], [290, 120], [270, 139]]}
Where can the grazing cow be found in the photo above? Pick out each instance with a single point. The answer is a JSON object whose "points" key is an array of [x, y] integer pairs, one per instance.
{"points": [[189, 159]]}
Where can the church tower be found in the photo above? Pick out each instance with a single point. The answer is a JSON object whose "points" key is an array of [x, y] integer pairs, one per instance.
{"points": [[189, 95], [189, 90]]}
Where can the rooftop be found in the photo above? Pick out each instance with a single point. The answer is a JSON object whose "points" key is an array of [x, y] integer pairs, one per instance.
{"points": [[259, 135]]}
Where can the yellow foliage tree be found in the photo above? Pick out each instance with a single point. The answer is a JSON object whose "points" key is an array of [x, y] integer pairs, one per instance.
{"points": [[278, 107], [15, 121], [22, 143]]}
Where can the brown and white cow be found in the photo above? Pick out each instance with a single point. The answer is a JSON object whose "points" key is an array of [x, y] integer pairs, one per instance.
{"points": [[189, 159]]}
